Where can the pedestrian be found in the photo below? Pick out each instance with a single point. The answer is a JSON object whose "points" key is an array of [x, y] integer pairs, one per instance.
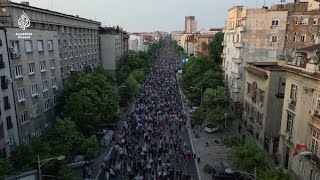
{"points": [[198, 156]]}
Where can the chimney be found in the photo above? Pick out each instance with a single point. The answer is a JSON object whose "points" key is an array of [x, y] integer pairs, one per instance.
{"points": [[25, 3]]}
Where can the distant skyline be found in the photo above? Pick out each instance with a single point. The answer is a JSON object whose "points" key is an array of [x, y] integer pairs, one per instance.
{"points": [[149, 15]]}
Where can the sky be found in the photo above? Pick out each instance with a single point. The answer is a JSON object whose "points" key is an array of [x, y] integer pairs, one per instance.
{"points": [[149, 15]]}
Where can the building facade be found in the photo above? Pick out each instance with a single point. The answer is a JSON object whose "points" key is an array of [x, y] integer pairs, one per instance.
{"points": [[9, 135], [302, 25], [301, 114], [136, 43], [56, 45], [190, 24], [250, 35], [263, 101], [111, 50]]}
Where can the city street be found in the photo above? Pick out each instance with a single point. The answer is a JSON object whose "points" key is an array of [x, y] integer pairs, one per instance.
{"points": [[154, 140]]}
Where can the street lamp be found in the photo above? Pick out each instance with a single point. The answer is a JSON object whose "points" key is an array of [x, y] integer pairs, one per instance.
{"points": [[41, 162], [200, 92], [225, 121]]}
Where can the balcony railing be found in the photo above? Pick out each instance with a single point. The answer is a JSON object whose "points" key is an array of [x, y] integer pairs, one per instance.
{"points": [[314, 159]]}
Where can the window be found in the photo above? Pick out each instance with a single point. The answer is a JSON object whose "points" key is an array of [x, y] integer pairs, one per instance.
{"points": [[46, 104], [31, 68], [289, 123], [35, 110], [54, 82], [303, 38], [302, 168], [272, 54], [50, 45], [261, 98], [294, 38], [34, 90], [293, 93], [275, 22], [52, 63], [18, 71], [300, 60], [9, 123], [6, 103], [4, 82], [45, 86], [315, 141], [60, 56], [64, 42], [2, 65], [55, 100], [315, 21], [40, 45], [305, 21], [23, 117], [273, 38], [14, 47], [42, 66], [28, 46], [21, 95], [249, 89]]}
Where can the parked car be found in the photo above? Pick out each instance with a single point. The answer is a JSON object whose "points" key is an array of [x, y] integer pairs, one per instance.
{"points": [[219, 173], [211, 128], [191, 110]]}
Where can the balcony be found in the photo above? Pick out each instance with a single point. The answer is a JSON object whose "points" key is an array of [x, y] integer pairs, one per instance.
{"points": [[223, 55], [237, 60], [314, 160], [315, 121], [241, 29], [237, 75], [236, 89], [238, 45]]}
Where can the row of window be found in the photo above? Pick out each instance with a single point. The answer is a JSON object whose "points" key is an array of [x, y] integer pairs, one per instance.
{"points": [[75, 54], [303, 20], [21, 93], [47, 104], [255, 93], [32, 68], [313, 174], [84, 42], [28, 44], [254, 115]]}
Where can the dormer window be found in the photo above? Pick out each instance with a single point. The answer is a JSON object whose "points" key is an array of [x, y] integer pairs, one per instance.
{"points": [[300, 60]]}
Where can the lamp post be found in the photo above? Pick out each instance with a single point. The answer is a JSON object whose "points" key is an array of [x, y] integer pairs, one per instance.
{"points": [[225, 121], [200, 92], [41, 162]]}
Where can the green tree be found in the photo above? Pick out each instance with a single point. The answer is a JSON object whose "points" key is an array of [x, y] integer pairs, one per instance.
{"points": [[198, 116], [215, 97], [90, 147], [65, 172], [248, 156], [215, 48], [273, 174], [138, 74], [131, 88], [6, 168], [204, 45]]}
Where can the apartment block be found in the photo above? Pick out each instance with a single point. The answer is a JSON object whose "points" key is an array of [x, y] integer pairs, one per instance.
{"points": [[300, 122], [111, 49], [9, 136], [302, 25], [250, 35], [78, 38], [263, 101], [44, 48], [190, 25]]}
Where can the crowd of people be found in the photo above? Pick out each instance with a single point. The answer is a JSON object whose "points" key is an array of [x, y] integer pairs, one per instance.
{"points": [[151, 144]]}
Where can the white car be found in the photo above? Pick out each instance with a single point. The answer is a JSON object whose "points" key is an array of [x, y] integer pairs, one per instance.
{"points": [[211, 129], [191, 110]]}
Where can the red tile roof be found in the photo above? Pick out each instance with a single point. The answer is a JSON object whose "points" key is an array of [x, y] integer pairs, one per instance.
{"points": [[257, 72]]}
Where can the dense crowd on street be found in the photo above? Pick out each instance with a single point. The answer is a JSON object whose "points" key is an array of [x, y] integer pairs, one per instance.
{"points": [[150, 144]]}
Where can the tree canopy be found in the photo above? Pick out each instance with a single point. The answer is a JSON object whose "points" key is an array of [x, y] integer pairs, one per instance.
{"points": [[215, 47]]}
